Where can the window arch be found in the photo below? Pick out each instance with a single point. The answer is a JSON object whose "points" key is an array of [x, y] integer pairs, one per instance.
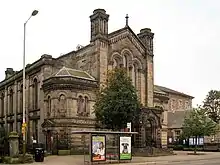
{"points": [[11, 101], [127, 58], [117, 60], [2, 104], [35, 94]]}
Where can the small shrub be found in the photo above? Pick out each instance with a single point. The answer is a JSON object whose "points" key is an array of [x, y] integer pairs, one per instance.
{"points": [[18, 160], [178, 147], [28, 158], [63, 152]]}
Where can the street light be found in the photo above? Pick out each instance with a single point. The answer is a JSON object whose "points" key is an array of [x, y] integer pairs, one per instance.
{"points": [[34, 13]]}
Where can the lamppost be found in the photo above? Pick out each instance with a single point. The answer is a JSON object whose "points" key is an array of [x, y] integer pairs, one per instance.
{"points": [[24, 125]]}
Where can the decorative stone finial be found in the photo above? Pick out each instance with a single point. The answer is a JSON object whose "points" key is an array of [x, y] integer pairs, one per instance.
{"points": [[126, 19]]}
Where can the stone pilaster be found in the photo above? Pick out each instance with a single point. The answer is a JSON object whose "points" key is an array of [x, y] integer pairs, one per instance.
{"points": [[19, 108], [103, 61], [73, 109], [15, 107], [8, 102], [143, 89], [133, 75], [31, 96], [6, 107], [150, 81], [139, 83], [92, 103], [41, 97]]}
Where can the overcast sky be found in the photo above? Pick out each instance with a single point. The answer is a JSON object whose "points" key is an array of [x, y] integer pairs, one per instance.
{"points": [[187, 35]]}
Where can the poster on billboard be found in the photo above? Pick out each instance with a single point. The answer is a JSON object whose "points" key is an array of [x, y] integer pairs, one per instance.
{"points": [[200, 141], [98, 148], [125, 148]]}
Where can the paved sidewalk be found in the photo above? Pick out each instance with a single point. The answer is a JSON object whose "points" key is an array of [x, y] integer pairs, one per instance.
{"points": [[180, 157]]}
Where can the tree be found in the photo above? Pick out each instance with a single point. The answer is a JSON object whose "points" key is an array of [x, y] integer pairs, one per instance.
{"points": [[197, 124], [212, 105], [117, 102]]}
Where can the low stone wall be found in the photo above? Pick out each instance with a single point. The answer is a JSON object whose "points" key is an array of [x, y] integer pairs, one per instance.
{"points": [[151, 151]]}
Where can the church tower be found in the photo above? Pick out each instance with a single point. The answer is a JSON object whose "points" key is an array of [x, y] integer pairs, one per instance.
{"points": [[99, 38], [99, 25], [146, 36]]}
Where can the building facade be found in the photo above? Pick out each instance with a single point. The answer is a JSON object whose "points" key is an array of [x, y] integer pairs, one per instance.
{"points": [[178, 104], [60, 91]]}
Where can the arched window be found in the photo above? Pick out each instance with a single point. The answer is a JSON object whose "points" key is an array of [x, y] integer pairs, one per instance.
{"points": [[48, 106], [135, 75], [80, 107], [114, 63], [86, 105], [2, 104], [35, 94], [11, 101], [62, 105], [21, 98], [125, 62]]}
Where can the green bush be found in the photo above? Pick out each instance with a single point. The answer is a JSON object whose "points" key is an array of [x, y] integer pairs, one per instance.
{"points": [[27, 159], [178, 147], [63, 152]]}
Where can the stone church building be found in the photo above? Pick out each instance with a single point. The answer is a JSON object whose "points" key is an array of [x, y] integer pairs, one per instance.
{"points": [[60, 91]]}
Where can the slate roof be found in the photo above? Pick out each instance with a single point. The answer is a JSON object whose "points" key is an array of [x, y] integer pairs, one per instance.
{"points": [[158, 90], [69, 72], [168, 90]]}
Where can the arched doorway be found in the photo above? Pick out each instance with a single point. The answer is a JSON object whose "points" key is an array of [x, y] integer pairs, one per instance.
{"points": [[150, 132]]}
